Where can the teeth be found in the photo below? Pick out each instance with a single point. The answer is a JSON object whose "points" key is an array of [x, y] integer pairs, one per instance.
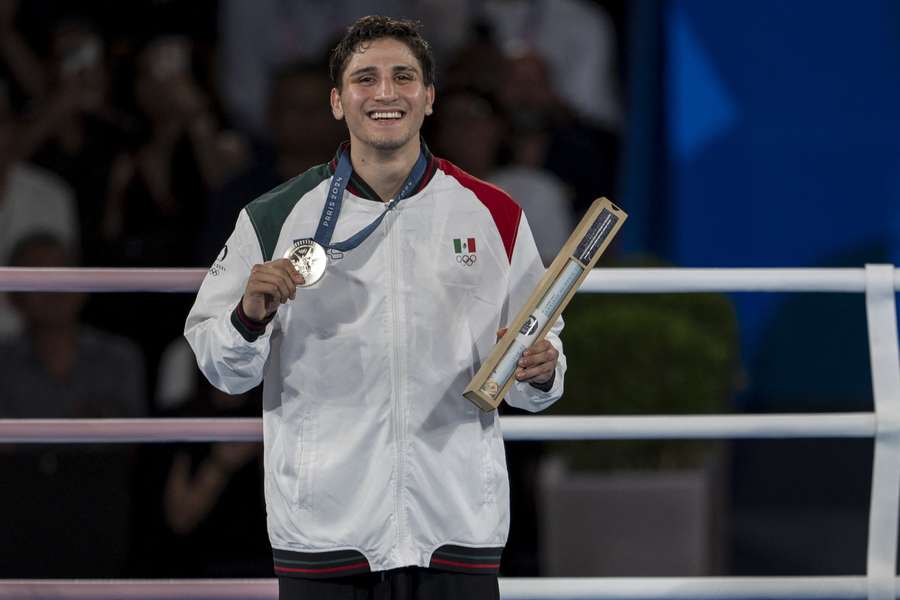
{"points": [[387, 115]]}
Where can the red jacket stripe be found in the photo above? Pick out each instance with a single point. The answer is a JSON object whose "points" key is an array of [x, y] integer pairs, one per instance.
{"points": [[503, 208], [454, 563], [359, 565]]}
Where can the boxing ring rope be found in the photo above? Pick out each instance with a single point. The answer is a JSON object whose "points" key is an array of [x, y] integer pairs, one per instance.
{"points": [[683, 427], [878, 282], [599, 280], [511, 588]]}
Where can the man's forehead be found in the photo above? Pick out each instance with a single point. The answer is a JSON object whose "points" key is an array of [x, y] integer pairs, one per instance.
{"points": [[382, 52]]}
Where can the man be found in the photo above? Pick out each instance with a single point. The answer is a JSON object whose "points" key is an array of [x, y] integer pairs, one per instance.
{"points": [[381, 479]]}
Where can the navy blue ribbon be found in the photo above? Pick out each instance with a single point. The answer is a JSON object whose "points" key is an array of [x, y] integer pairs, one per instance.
{"points": [[332, 207]]}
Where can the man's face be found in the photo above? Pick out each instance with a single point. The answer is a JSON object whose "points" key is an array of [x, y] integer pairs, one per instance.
{"points": [[384, 98]]}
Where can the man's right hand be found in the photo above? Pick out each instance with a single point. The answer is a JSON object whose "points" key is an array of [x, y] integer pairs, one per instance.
{"points": [[270, 284]]}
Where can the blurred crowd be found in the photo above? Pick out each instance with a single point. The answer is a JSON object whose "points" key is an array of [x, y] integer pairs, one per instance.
{"points": [[132, 134]]}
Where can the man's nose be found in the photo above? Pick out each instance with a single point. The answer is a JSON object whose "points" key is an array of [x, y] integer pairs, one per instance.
{"points": [[386, 89]]}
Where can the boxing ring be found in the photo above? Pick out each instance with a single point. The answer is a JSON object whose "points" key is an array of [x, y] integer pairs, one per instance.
{"points": [[879, 283]]}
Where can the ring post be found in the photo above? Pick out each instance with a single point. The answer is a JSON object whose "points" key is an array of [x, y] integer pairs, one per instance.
{"points": [[881, 316]]}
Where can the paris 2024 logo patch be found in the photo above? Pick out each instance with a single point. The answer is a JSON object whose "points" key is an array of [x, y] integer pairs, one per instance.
{"points": [[464, 248]]}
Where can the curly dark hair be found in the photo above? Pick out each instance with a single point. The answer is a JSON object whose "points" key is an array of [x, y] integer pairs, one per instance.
{"points": [[375, 27]]}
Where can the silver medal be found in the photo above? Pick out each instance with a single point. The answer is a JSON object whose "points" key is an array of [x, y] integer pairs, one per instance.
{"points": [[310, 260]]}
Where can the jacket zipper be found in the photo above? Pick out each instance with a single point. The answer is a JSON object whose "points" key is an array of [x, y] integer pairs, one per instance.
{"points": [[399, 440]]}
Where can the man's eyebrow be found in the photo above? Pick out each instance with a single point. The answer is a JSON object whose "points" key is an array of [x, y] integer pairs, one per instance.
{"points": [[362, 71], [372, 69]]}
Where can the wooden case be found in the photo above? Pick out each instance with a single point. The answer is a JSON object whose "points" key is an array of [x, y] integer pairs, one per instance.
{"points": [[577, 257]]}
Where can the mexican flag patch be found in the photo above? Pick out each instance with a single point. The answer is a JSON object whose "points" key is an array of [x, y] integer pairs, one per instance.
{"points": [[464, 245]]}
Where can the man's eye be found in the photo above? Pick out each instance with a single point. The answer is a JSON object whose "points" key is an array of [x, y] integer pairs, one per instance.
{"points": [[366, 79]]}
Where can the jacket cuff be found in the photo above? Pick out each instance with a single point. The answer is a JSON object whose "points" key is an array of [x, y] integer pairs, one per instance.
{"points": [[546, 386], [250, 329]]}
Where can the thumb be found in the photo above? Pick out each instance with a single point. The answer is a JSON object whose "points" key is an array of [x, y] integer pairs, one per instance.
{"points": [[501, 333]]}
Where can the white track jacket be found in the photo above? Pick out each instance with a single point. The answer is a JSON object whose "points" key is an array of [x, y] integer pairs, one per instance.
{"points": [[373, 458]]}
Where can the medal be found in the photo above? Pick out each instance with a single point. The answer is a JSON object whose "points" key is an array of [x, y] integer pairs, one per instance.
{"points": [[309, 259], [308, 254]]}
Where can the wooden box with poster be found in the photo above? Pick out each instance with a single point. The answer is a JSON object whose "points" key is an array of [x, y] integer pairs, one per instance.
{"points": [[577, 257]]}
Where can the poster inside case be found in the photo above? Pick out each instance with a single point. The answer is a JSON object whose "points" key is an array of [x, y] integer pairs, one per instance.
{"points": [[577, 257]]}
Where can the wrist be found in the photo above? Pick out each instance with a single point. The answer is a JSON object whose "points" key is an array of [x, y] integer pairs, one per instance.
{"points": [[544, 386], [249, 328], [250, 312]]}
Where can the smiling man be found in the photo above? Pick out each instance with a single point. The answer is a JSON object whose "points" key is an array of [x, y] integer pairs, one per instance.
{"points": [[364, 293]]}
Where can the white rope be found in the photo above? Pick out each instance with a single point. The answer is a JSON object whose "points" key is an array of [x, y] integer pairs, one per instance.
{"points": [[570, 588], [140, 589], [727, 280], [130, 430], [885, 500], [694, 588], [833, 425], [689, 427], [598, 280], [17, 279]]}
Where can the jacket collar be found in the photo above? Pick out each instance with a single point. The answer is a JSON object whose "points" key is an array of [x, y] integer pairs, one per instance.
{"points": [[358, 187]]}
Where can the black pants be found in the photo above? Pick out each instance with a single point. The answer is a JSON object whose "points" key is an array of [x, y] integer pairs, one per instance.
{"points": [[410, 583]]}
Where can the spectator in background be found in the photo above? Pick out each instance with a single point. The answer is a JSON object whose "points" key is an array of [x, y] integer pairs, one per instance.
{"points": [[202, 511], [58, 368], [301, 130], [213, 502], [69, 510], [76, 132], [547, 132], [577, 39], [479, 64], [18, 63], [469, 130], [156, 193], [544, 130], [32, 199]]}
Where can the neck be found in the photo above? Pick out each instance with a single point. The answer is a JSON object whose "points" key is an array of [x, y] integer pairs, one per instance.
{"points": [[384, 171]]}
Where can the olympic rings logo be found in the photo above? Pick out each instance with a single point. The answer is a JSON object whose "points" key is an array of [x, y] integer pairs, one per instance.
{"points": [[466, 259]]}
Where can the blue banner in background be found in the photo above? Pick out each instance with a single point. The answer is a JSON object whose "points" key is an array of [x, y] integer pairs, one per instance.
{"points": [[782, 136]]}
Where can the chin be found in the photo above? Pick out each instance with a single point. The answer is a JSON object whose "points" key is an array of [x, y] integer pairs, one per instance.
{"points": [[389, 144]]}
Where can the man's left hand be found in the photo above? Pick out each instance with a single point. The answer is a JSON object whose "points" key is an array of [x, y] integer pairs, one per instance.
{"points": [[538, 363]]}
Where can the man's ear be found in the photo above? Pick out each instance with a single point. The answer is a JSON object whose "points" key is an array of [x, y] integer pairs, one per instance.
{"points": [[429, 100], [336, 109]]}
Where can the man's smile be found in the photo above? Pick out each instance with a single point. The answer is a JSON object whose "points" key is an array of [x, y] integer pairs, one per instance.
{"points": [[386, 115]]}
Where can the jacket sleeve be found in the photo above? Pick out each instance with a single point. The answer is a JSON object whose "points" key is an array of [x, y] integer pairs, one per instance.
{"points": [[526, 270], [231, 351]]}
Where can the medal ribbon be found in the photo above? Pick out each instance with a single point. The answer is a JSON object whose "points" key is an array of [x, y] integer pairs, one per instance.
{"points": [[332, 207]]}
